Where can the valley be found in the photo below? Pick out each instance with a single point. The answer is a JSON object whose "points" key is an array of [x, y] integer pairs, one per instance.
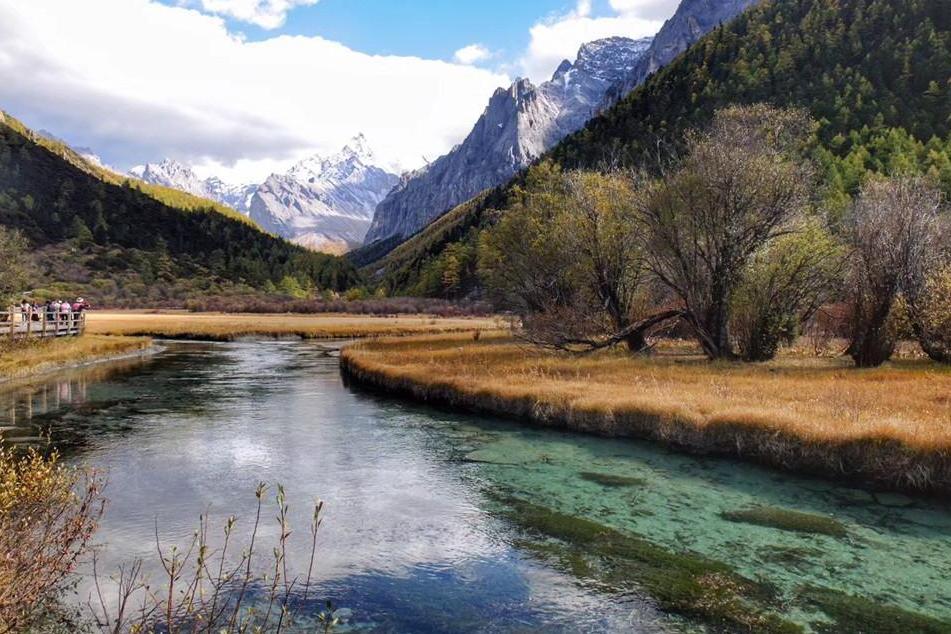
{"points": [[554, 316]]}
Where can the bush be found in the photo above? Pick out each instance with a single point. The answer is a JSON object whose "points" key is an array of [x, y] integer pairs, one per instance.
{"points": [[931, 315], [48, 514], [782, 289]]}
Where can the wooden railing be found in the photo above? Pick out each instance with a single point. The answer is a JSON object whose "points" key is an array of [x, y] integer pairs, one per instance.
{"points": [[15, 323]]}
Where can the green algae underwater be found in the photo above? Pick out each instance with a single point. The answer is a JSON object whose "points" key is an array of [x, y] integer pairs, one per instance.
{"points": [[728, 547]]}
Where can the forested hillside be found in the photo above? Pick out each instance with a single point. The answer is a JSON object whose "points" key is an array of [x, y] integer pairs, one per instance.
{"points": [[875, 74], [114, 241]]}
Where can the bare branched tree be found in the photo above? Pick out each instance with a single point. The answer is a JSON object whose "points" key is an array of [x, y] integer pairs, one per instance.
{"points": [[896, 235], [739, 187]]}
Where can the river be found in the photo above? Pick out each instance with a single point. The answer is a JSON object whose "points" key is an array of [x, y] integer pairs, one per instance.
{"points": [[421, 528]]}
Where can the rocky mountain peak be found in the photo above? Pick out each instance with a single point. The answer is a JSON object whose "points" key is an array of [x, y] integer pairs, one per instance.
{"points": [[172, 173], [324, 203], [519, 124]]}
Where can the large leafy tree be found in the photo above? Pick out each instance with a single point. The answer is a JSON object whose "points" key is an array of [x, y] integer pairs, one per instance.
{"points": [[569, 259]]}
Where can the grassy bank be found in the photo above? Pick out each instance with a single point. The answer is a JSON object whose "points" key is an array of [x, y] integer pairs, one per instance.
{"points": [[46, 355], [227, 327], [889, 427]]}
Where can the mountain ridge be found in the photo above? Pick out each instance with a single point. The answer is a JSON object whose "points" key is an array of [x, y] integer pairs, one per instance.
{"points": [[518, 125], [873, 74], [324, 203], [112, 237]]}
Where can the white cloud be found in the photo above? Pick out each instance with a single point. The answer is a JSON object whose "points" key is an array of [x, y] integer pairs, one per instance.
{"points": [[559, 37], [472, 54], [268, 14], [649, 9], [138, 81]]}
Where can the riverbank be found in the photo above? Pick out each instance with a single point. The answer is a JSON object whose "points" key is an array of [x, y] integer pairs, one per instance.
{"points": [[228, 327], [40, 356], [887, 428]]}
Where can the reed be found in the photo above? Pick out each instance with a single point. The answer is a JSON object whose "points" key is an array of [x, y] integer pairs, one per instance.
{"points": [[888, 427], [228, 327]]}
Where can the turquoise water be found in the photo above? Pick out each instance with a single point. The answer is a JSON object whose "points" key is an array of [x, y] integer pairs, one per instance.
{"points": [[416, 536]]}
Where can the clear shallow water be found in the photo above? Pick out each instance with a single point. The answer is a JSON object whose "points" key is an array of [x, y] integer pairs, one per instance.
{"points": [[413, 539]]}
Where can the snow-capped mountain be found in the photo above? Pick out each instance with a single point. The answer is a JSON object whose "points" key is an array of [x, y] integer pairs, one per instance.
{"points": [[518, 126], [325, 203], [692, 20], [173, 174]]}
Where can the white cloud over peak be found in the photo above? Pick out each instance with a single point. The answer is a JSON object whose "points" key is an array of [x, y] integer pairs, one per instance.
{"points": [[267, 14], [139, 81], [559, 37], [472, 54]]}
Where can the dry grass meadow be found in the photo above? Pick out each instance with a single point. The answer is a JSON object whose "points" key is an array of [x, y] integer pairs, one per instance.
{"points": [[44, 355], [890, 426], [226, 327]]}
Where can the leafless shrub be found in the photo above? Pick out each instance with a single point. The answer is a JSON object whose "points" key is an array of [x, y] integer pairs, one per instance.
{"points": [[376, 306], [208, 590]]}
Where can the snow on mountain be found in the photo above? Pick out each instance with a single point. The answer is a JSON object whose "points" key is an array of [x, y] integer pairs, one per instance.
{"points": [[325, 203], [692, 20], [518, 126], [173, 174]]}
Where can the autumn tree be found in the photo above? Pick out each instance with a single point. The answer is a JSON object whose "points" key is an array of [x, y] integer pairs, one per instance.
{"points": [[930, 313], [739, 188], [895, 234], [568, 258]]}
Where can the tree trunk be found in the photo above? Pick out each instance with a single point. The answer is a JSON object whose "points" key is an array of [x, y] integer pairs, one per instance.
{"points": [[934, 349], [873, 344], [636, 343]]}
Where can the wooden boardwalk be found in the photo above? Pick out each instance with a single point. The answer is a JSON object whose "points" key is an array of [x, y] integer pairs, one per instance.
{"points": [[16, 325]]}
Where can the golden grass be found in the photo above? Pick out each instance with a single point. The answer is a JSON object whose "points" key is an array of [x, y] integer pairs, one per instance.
{"points": [[226, 327], [891, 425], [45, 355]]}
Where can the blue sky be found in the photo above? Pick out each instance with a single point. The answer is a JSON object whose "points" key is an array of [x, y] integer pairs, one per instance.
{"points": [[244, 88], [430, 29], [425, 29]]}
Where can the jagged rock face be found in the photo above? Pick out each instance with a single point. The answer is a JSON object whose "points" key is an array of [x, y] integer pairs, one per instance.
{"points": [[325, 204], [692, 20], [519, 125], [173, 174]]}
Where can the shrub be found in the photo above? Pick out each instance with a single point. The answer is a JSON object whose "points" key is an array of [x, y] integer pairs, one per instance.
{"points": [[48, 514], [931, 315], [783, 288]]}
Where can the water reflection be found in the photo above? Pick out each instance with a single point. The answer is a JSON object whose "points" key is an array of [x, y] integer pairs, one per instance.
{"points": [[406, 544]]}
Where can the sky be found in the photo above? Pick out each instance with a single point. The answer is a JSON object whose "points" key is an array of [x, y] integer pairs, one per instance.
{"points": [[245, 88]]}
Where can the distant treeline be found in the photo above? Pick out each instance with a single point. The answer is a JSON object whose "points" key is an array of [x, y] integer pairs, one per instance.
{"points": [[372, 306]]}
